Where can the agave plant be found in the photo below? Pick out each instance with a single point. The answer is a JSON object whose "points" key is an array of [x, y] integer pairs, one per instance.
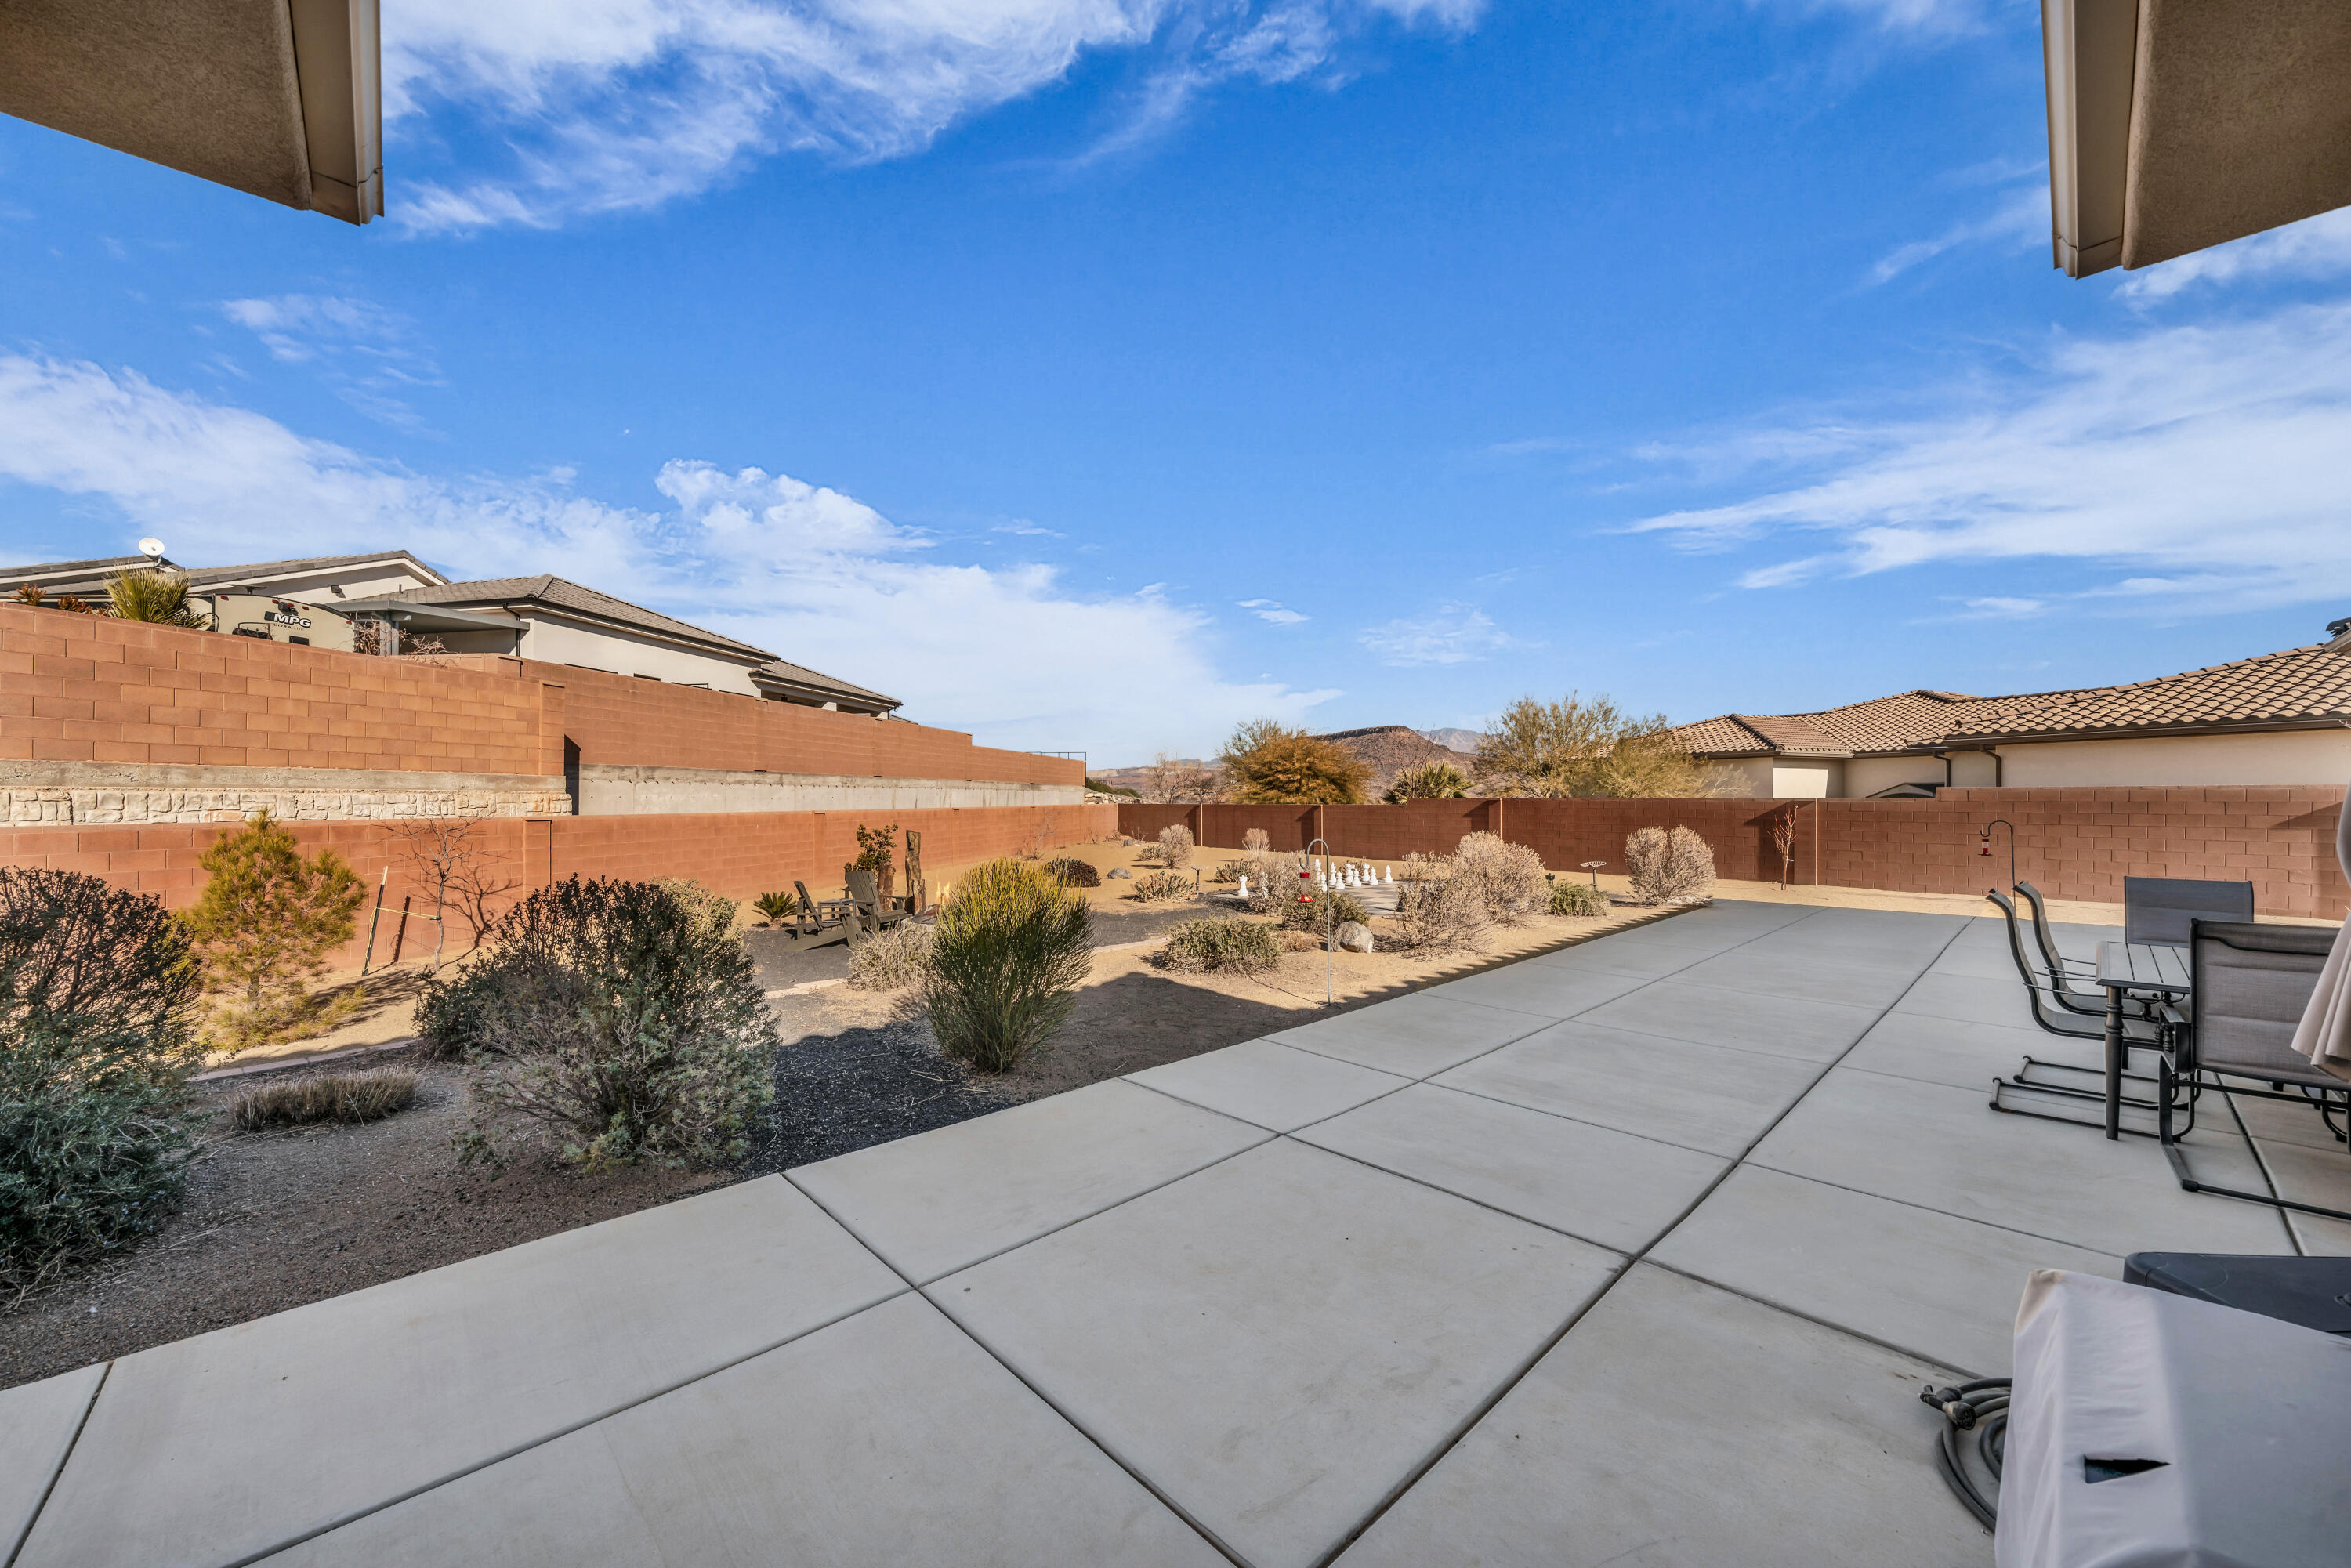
{"points": [[154, 596], [775, 906]]}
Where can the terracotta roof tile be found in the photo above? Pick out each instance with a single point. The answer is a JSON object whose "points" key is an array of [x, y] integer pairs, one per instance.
{"points": [[2298, 687]]}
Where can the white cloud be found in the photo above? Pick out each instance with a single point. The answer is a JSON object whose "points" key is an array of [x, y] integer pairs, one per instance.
{"points": [[2314, 247], [1456, 635], [2020, 220], [620, 105], [814, 574], [1271, 610], [1921, 18], [2208, 461], [367, 354]]}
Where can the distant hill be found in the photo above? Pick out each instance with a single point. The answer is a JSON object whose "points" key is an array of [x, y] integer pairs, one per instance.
{"points": [[1461, 740], [1389, 749]]}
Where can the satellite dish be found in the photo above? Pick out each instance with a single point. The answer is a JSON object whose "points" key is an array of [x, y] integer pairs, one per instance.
{"points": [[151, 547]]}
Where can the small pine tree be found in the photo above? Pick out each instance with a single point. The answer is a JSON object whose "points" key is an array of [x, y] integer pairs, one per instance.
{"points": [[263, 927]]}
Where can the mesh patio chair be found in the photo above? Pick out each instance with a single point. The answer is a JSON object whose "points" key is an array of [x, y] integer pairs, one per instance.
{"points": [[2252, 984], [2042, 934], [2075, 1015], [2164, 908]]}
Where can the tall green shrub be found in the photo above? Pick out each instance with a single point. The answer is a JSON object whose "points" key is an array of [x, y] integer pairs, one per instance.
{"points": [[616, 1021], [100, 1000], [263, 927], [1010, 948]]}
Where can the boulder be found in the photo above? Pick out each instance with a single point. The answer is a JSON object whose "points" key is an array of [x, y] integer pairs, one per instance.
{"points": [[1121, 873], [1354, 935]]}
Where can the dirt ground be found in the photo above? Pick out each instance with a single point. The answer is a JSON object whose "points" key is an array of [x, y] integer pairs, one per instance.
{"points": [[273, 1220]]}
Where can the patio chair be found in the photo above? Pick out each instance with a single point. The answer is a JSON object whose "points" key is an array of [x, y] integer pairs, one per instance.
{"points": [[2042, 934], [2164, 908], [2251, 985], [2063, 1011], [873, 914], [818, 923]]}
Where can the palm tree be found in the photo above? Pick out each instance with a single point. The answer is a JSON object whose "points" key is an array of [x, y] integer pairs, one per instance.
{"points": [[154, 597]]}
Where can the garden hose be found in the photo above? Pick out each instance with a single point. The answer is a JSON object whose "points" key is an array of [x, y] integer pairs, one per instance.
{"points": [[1981, 1407]]}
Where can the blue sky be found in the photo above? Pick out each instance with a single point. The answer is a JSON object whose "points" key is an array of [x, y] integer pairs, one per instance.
{"points": [[1097, 373]]}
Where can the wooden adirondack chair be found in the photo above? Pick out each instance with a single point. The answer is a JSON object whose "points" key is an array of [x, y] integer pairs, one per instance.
{"points": [[821, 923], [874, 913]]}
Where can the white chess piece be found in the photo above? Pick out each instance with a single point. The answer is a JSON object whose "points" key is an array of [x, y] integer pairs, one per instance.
{"points": [[1388, 878], [1244, 890]]}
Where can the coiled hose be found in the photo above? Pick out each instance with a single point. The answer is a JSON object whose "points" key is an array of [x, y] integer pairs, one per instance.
{"points": [[1981, 1407]]}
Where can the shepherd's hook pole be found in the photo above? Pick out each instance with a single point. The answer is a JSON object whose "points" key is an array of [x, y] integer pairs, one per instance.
{"points": [[1323, 894]]}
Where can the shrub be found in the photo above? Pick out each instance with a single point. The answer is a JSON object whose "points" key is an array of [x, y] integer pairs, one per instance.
{"points": [[1162, 885], [1220, 946], [1257, 841], [1304, 909], [1431, 782], [1508, 876], [1011, 947], [898, 958], [620, 1019], [1071, 872], [1436, 913], [775, 907], [1173, 848], [1669, 867], [330, 1097], [263, 925], [100, 1000], [1272, 764], [1577, 898]]}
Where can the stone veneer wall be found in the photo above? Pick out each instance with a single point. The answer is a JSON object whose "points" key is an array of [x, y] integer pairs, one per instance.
{"points": [[116, 795]]}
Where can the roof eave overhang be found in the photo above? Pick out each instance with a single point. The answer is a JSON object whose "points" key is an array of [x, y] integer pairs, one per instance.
{"points": [[539, 608], [868, 700], [428, 617]]}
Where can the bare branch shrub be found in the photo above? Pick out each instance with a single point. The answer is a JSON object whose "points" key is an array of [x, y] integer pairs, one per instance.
{"points": [[1175, 846], [455, 858], [1436, 913], [1669, 867], [1783, 842], [1257, 841], [1161, 886], [1508, 876]]}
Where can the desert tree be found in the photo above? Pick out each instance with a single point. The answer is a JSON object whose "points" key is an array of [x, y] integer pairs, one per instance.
{"points": [[1586, 745], [1269, 763], [1171, 780], [262, 926], [1783, 842], [457, 858]]}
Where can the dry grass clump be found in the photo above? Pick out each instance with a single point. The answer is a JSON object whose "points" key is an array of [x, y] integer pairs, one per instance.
{"points": [[329, 1097], [1300, 942], [1669, 867], [1161, 886], [1508, 877], [895, 959], [1226, 946]]}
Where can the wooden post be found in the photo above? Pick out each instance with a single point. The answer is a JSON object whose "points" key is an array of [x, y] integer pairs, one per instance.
{"points": [[1816, 843]]}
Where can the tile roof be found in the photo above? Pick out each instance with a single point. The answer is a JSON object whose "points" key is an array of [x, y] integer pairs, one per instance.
{"points": [[565, 594], [784, 672], [96, 573], [1896, 723], [2299, 688]]}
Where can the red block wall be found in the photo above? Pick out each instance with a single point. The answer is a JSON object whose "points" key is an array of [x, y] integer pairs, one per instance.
{"points": [[2074, 844]]}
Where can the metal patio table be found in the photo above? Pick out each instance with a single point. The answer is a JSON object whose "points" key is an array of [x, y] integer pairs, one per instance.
{"points": [[2153, 969]]}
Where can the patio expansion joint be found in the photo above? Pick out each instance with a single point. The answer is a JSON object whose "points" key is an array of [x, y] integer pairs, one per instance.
{"points": [[2269, 1176], [356, 1514], [1924, 1208], [1013, 1372], [1632, 1260], [17, 1547]]}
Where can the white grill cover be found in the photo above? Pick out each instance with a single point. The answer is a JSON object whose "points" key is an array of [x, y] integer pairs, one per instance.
{"points": [[2250, 1416]]}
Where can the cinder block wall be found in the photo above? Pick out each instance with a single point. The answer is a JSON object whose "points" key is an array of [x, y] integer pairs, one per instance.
{"points": [[741, 854], [2070, 844]]}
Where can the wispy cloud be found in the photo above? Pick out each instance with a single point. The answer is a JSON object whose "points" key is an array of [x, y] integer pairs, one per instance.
{"points": [[1914, 18], [368, 356], [801, 569], [1271, 610], [2205, 461], [1456, 635], [623, 105], [2313, 249], [2020, 220]]}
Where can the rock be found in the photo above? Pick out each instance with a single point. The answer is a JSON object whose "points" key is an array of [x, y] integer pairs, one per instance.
{"points": [[1121, 873], [1354, 936]]}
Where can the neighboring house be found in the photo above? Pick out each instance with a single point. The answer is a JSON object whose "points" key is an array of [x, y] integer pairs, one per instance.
{"points": [[2279, 718], [546, 618]]}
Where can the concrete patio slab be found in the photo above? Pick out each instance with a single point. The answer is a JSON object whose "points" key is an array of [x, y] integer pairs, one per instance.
{"points": [[1412, 1036], [235, 1443], [1647, 960], [1276, 1086], [1930, 1284], [1877, 935], [1055, 1160], [1944, 1148], [2280, 1122], [2301, 1174], [1679, 1424], [1968, 1000], [1543, 991], [1606, 1186], [886, 1439], [1729, 914], [1964, 1055], [37, 1423], [1815, 1031], [1711, 1098], [1279, 1341], [1770, 972]]}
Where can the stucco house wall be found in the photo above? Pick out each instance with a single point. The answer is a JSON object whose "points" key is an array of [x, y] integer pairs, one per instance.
{"points": [[2286, 757], [622, 653]]}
